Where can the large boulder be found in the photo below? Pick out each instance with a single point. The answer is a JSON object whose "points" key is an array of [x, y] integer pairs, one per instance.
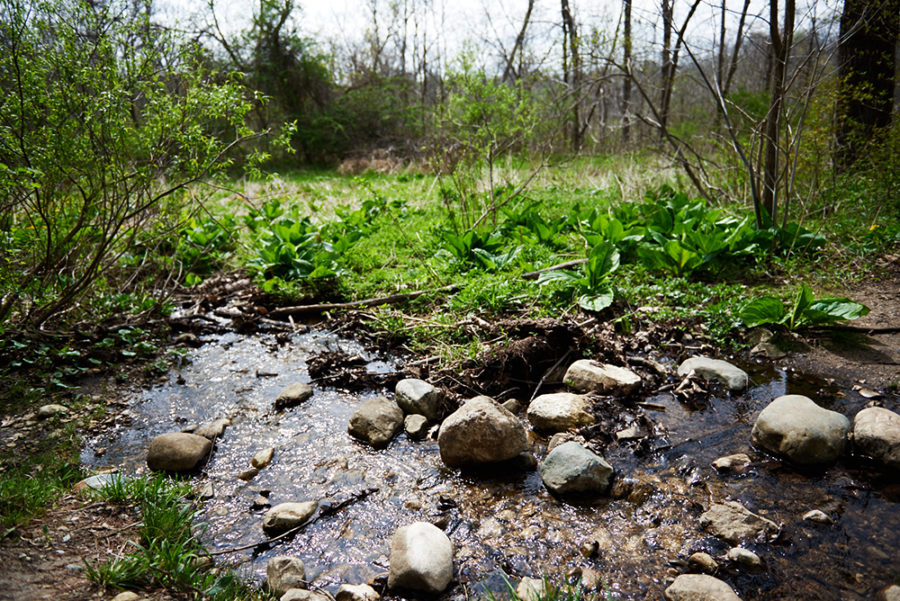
{"points": [[876, 435], [418, 397], [586, 375], [572, 469], [734, 523], [177, 452], [559, 411], [295, 394], [376, 421], [731, 376], [481, 431], [699, 587], [284, 572], [794, 427], [285, 516], [421, 559]]}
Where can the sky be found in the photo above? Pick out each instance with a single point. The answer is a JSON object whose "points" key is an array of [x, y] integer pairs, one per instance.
{"points": [[491, 26]]}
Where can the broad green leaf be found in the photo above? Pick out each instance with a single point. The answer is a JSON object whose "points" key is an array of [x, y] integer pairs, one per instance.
{"points": [[602, 260], [838, 309], [801, 302], [759, 311], [597, 302]]}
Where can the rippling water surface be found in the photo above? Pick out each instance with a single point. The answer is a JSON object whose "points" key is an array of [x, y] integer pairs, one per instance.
{"points": [[507, 522]]}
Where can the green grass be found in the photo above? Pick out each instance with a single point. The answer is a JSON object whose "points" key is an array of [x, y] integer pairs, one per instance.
{"points": [[169, 554]]}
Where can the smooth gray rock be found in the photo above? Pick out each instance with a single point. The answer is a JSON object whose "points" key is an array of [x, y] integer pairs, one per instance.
{"points": [[732, 463], [572, 469], [285, 516], [744, 557], [359, 592], [177, 452], [559, 411], [699, 587], [421, 559], [284, 572], [418, 397], [735, 523], [262, 458], [45, 411], [481, 431], [703, 562], [295, 394], [889, 593], [213, 429], [731, 376], [586, 375], [97, 482], [376, 422], [416, 426], [876, 435], [299, 594], [514, 406], [794, 427]]}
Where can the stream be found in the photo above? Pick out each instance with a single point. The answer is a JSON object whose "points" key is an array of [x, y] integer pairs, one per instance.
{"points": [[507, 522]]}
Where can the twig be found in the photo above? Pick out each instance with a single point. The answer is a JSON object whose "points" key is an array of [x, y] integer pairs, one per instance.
{"points": [[547, 374], [533, 275], [370, 302]]}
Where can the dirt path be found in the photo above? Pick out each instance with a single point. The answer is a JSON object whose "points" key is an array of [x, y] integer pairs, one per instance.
{"points": [[870, 359]]}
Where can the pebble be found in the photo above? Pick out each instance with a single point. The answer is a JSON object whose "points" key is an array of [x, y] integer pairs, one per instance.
{"points": [[126, 596], [262, 458], [743, 557], [703, 562], [818, 516]]}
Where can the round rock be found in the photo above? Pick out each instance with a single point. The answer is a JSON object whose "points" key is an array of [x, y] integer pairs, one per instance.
{"points": [[794, 427], [699, 587], [421, 559], [46, 411], [572, 469], [299, 594], [360, 592], [876, 435], [559, 411], [733, 522], [744, 557], [733, 377], [376, 422], [262, 458], [481, 431], [416, 426], [295, 394], [284, 572], [418, 397], [177, 452], [703, 562], [586, 375], [285, 516]]}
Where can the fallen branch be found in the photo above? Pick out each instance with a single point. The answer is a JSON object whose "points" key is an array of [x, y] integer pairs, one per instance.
{"points": [[370, 302], [533, 275], [324, 511]]}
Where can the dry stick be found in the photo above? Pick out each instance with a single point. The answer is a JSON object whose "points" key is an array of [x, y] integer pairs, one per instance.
{"points": [[547, 374], [533, 275], [370, 302], [329, 511]]}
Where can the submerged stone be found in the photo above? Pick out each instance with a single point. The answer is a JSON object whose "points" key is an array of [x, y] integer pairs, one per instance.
{"points": [[295, 394], [735, 523], [572, 469], [284, 572]]}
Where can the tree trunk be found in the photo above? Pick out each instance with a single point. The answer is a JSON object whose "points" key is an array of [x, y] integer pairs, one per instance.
{"points": [[626, 84], [572, 74], [781, 50], [869, 31], [509, 73]]}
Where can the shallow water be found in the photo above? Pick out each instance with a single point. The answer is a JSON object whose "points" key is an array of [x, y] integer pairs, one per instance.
{"points": [[507, 522]]}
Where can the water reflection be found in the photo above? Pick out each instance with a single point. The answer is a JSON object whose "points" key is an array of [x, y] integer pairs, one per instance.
{"points": [[503, 522]]}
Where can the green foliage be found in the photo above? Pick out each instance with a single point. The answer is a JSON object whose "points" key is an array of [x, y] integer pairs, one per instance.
{"points": [[30, 483], [805, 311], [169, 554], [204, 245], [482, 247], [105, 117], [592, 286]]}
